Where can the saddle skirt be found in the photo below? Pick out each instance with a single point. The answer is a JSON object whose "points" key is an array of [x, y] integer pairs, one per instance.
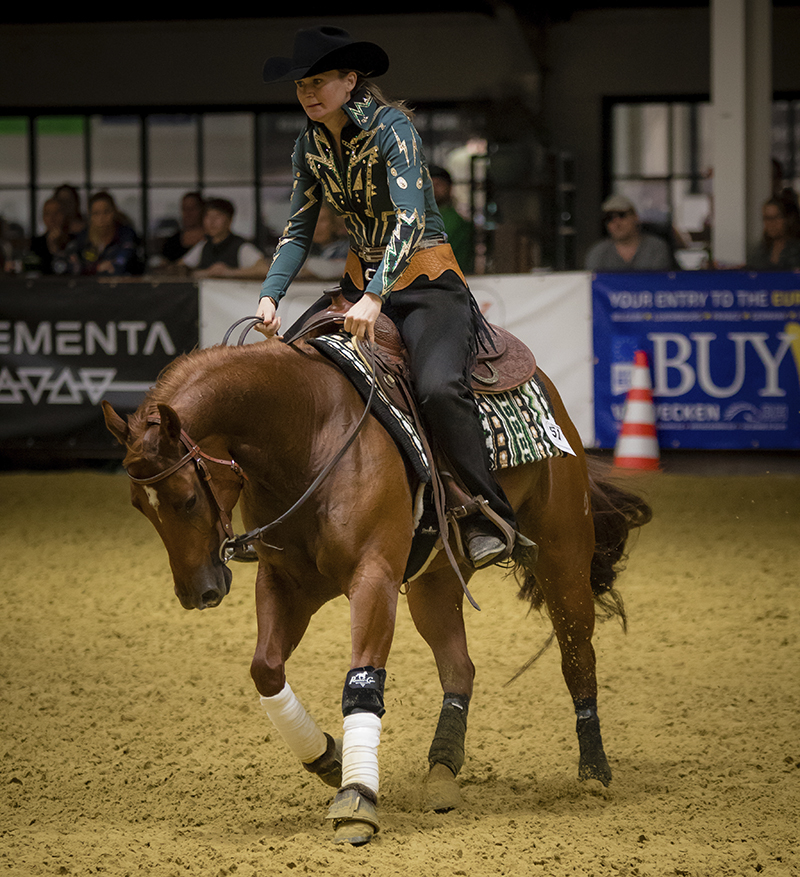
{"points": [[513, 404]]}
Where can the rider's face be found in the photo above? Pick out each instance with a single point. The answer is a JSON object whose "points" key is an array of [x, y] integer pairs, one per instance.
{"points": [[323, 95]]}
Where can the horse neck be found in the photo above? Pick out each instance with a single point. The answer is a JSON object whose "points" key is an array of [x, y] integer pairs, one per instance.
{"points": [[264, 407]]}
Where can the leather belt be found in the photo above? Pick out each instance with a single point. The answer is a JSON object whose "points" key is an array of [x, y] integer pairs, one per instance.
{"points": [[375, 254]]}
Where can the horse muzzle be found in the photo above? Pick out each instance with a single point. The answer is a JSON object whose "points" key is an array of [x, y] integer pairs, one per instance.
{"points": [[207, 588]]}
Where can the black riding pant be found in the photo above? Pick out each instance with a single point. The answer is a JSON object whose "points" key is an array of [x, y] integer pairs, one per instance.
{"points": [[435, 319]]}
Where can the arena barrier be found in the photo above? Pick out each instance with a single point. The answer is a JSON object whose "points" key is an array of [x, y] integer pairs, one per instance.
{"points": [[65, 345], [724, 348], [551, 313]]}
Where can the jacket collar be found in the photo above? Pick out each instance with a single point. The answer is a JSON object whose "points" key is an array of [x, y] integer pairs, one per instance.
{"points": [[362, 108]]}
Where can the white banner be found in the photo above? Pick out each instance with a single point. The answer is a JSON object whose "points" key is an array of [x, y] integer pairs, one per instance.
{"points": [[551, 313]]}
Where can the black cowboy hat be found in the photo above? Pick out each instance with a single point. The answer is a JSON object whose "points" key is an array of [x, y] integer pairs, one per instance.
{"points": [[318, 49]]}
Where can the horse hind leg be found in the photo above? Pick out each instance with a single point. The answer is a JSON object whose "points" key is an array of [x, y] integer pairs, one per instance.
{"points": [[561, 580], [593, 763], [446, 755]]}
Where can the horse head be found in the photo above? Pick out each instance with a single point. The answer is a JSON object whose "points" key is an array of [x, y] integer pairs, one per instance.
{"points": [[169, 488]]}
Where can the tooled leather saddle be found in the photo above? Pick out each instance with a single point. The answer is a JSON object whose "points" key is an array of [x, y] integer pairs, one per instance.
{"points": [[508, 365]]}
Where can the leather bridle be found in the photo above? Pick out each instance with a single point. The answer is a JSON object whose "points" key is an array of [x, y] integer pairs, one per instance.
{"points": [[193, 453]]}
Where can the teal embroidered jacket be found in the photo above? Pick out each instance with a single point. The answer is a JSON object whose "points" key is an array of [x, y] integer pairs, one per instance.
{"points": [[380, 185]]}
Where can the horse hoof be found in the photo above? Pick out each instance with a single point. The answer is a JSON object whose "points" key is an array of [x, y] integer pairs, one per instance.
{"points": [[353, 832], [593, 764], [600, 773], [354, 817], [441, 793], [597, 788]]}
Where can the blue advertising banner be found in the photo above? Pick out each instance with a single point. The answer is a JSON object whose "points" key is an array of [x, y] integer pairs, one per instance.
{"points": [[724, 355]]}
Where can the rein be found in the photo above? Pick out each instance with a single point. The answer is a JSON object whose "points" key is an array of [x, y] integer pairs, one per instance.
{"points": [[232, 542], [229, 546]]}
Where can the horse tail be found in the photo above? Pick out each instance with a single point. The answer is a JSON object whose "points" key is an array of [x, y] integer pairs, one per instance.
{"points": [[616, 511]]}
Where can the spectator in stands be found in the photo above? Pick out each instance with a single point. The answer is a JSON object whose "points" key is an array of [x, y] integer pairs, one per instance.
{"points": [[627, 247], [6, 249], [460, 231], [223, 253], [779, 248], [105, 246], [329, 247], [190, 232], [47, 253], [70, 200]]}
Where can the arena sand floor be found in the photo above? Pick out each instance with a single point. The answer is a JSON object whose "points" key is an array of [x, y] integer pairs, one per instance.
{"points": [[132, 741]]}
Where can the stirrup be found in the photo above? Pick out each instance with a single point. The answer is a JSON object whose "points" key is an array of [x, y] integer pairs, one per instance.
{"points": [[484, 550], [508, 536]]}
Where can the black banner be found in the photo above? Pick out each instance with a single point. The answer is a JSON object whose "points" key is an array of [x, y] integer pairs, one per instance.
{"points": [[65, 345]]}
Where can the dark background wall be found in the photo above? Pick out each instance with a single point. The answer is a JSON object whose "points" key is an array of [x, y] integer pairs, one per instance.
{"points": [[547, 67]]}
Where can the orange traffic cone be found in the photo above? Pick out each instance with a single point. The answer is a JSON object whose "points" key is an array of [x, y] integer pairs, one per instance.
{"points": [[637, 443]]}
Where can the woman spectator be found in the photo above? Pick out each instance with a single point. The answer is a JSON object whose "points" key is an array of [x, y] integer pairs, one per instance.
{"points": [[779, 249], [70, 200], [47, 253], [105, 247]]}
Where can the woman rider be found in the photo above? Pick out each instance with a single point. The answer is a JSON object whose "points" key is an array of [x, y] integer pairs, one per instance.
{"points": [[364, 156]]}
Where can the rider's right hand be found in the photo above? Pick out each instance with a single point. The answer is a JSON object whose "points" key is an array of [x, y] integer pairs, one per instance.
{"points": [[271, 322]]}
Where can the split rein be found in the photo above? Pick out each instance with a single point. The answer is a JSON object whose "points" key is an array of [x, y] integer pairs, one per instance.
{"points": [[231, 542]]}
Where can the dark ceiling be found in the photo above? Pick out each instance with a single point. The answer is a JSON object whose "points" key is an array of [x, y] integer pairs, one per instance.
{"points": [[531, 10], [550, 9]]}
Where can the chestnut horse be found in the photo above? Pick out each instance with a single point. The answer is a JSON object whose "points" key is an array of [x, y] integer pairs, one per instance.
{"points": [[259, 423]]}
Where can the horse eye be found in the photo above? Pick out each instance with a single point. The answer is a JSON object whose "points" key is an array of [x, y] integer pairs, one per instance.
{"points": [[190, 503]]}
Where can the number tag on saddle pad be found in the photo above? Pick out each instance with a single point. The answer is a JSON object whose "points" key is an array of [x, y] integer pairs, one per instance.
{"points": [[557, 437]]}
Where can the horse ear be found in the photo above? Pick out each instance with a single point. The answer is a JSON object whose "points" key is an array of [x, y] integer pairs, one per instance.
{"points": [[115, 424], [170, 428]]}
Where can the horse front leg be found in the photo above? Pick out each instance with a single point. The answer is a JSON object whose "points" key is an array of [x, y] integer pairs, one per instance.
{"points": [[373, 610], [282, 621], [435, 601]]}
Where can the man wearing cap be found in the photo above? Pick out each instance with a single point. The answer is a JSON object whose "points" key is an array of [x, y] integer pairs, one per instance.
{"points": [[627, 247]]}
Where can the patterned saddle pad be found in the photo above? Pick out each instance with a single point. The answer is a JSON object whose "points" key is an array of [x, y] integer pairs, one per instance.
{"points": [[518, 424]]}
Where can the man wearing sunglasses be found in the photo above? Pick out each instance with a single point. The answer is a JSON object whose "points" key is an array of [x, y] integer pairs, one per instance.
{"points": [[627, 247]]}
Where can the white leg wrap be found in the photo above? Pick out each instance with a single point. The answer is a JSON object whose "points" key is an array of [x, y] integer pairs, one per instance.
{"points": [[362, 734], [299, 731]]}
